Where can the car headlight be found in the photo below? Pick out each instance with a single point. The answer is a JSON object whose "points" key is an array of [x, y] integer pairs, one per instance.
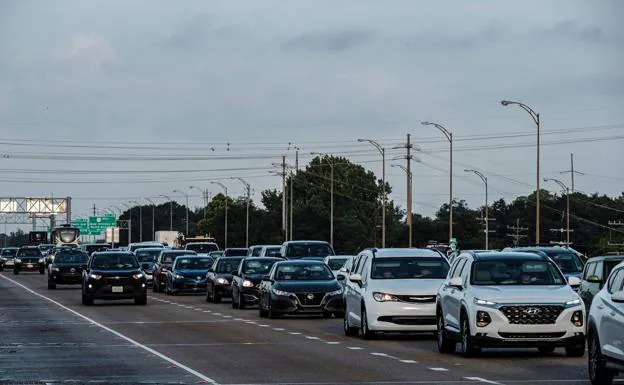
{"points": [[95, 276], [384, 297], [484, 302], [41, 260], [17, 260], [573, 303], [56, 269], [280, 292], [223, 281], [335, 292], [247, 283], [179, 276], [138, 276]]}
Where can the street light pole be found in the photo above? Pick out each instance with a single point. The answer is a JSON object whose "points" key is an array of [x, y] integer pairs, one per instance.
{"points": [[153, 209], [140, 220], [409, 198], [487, 216], [170, 211], [204, 198], [382, 151], [248, 188], [224, 187], [129, 222], [186, 233], [536, 118], [567, 191], [449, 136]]}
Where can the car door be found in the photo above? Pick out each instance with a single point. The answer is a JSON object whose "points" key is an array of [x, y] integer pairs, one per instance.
{"points": [[352, 293], [611, 336], [585, 289], [454, 296]]}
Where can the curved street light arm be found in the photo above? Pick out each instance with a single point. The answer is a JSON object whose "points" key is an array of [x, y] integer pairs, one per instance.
{"points": [[224, 187], [399, 166], [150, 201], [447, 133], [243, 181], [560, 183], [378, 146], [479, 174], [528, 109], [165, 196]]}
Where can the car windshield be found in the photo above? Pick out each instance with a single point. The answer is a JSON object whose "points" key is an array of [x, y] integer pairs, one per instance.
{"points": [[114, 262], [409, 268], [272, 251], [568, 262], [300, 250], [227, 265], [30, 253], [9, 252], [92, 248], [144, 255], [609, 265], [336, 263], [63, 257], [45, 248], [515, 272], [168, 258], [236, 252], [303, 272], [202, 247], [193, 263], [257, 266]]}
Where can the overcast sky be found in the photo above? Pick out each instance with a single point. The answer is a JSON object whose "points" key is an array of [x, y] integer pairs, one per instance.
{"points": [[184, 78]]}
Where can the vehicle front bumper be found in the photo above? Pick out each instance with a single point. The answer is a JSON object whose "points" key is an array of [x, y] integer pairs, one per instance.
{"points": [[29, 266], [188, 285], [292, 305], [106, 291], [223, 290], [250, 295], [395, 316]]}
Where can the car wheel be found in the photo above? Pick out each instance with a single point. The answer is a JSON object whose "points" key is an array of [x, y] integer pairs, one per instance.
{"points": [[367, 334], [87, 300], [215, 296], [546, 349], [261, 312], [270, 312], [468, 347], [141, 300], [41, 270], [445, 344], [167, 288], [598, 374], [575, 351], [240, 302], [51, 286], [15, 271], [154, 287], [348, 330]]}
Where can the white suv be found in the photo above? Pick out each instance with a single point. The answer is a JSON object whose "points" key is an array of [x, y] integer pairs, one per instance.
{"points": [[509, 299], [605, 330], [393, 290]]}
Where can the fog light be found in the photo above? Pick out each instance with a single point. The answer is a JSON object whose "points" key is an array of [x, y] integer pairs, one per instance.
{"points": [[90, 286], [142, 285], [577, 318], [483, 319]]}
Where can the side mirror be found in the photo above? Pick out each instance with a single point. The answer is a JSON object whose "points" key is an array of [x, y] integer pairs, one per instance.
{"points": [[618, 297], [457, 282], [266, 278], [341, 277], [594, 279], [357, 278], [574, 281]]}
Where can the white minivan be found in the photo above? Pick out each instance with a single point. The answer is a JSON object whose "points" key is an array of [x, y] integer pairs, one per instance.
{"points": [[393, 290]]}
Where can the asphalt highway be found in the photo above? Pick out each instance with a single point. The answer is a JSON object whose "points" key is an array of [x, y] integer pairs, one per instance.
{"points": [[48, 336]]}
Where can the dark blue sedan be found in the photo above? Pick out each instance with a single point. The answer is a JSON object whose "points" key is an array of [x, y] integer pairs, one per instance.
{"points": [[188, 274]]}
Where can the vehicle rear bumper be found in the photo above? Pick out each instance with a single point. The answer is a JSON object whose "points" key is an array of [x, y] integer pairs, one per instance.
{"points": [[60, 279]]}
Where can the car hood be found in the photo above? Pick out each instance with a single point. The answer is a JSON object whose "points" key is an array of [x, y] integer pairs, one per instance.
{"points": [[406, 286], [307, 286], [530, 294], [255, 278], [224, 275], [578, 275], [191, 273]]}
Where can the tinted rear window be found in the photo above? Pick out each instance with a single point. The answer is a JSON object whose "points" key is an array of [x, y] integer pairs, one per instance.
{"points": [[71, 258], [114, 262]]}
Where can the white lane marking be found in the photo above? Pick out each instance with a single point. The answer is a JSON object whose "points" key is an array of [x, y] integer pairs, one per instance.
{"points": [[354, 348], [277, 329], [263, 325], [379, 354], [238, 319], [312, 338], [217, 314], [439, 369], [333, 343], [118, 334], [408, 361], [294, 333], [196, 308], [483, 380], [207, 311], [227, 316]]}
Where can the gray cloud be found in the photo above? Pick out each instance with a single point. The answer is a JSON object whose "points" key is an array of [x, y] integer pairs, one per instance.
{"points": [[331, 41]]}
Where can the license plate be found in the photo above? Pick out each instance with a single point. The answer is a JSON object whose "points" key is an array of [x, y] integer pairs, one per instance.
{"points": [[29, 265], [117, 289]]}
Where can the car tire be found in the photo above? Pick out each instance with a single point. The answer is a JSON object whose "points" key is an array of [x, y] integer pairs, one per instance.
{"points": [[42, 270], [446, 345], [51, 286], [15, 271], [240, 302], [142, 300], [546, 349], [575, 351], [261, 311], [598, 373], [468, 347], [215, 296], [87, 300], [366, 333], [349, 331], [270, 313]]}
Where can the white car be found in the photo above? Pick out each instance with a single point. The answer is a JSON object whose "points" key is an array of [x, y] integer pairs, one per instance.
{"points": [[605, 330], [393, 290], [509, 299]]}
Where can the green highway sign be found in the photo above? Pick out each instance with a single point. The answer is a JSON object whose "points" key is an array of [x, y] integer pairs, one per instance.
{"points": [[94, 225]]}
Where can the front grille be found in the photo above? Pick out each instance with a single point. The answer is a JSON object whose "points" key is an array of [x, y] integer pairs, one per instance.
{"points": [[416, 298], [30, 260], [532, 335], [119, 281], [532, 314], [316, 299], [409, 320]]}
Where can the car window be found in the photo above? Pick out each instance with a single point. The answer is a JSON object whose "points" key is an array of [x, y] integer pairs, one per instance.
{"points": [[30, 253], [515, 272], [257, 266], [193, 263], [202, 247], [590, 270], [300, 250], [114, 262], [9, 252], [303, 272], [615, 283], [360, 267], [272, 251], [458, 267], [409, 268], [144, 255], [336, 263], [568, 263], [71, 258], [609, 266], [256, 251], [227, 265]]}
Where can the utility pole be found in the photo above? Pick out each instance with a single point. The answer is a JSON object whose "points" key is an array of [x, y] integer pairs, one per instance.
{"points": [[572, 171], [517, 232], [409, 190], [290, 217], [284, 226], [567, 191], [615, 224]]}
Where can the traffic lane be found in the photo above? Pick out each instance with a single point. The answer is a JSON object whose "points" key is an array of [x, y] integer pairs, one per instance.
{"points": [[502, 364], [238, 350], [42, 342]]}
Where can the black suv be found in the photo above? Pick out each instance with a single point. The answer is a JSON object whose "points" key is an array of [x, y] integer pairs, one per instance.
{"points": [[66, 269], [29, 258], [113, 275]]}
